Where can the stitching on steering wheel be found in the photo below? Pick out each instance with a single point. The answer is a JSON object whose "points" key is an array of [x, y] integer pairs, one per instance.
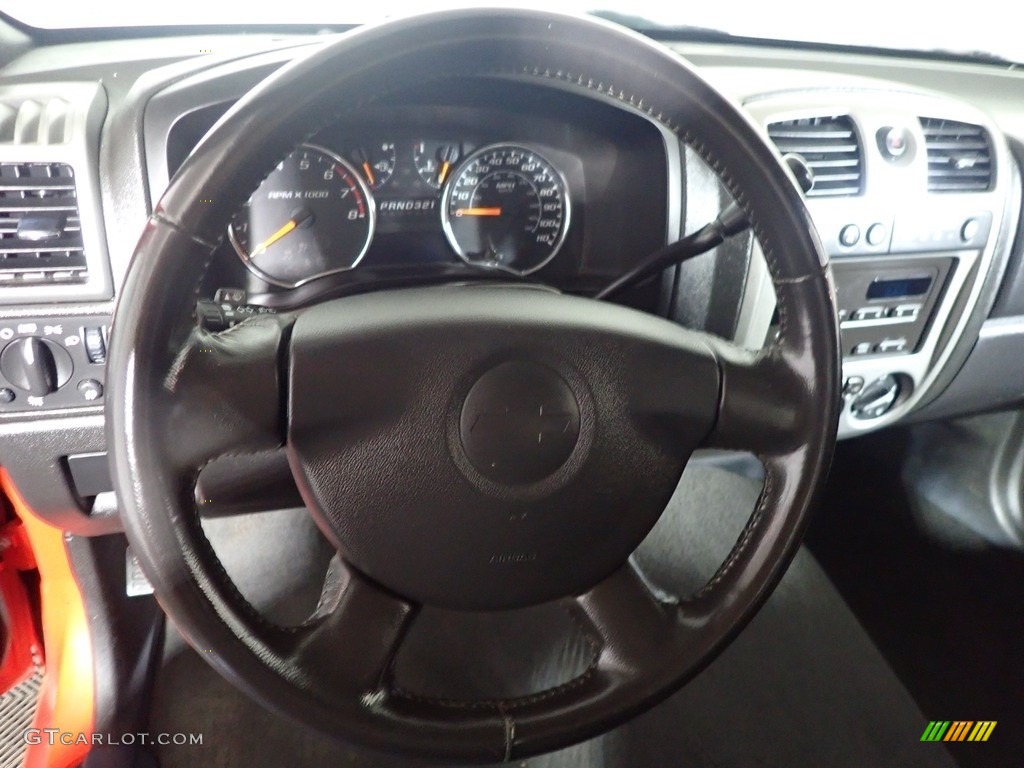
{"points": [[744, 539], [753, 523], [499, 704], [200, 539], [688, 138], [739, 548], [514, 702]]}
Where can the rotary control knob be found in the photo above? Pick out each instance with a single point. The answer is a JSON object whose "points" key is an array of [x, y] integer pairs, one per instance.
{"points": [[876, 398], [36, 365]]}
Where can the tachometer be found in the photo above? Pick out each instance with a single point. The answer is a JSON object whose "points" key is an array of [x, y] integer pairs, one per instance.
{"points": [[312, 216], [506, 208]]}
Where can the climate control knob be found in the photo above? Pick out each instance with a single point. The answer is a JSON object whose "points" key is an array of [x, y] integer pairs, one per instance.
{"points": [[876, 398], [36, 365]]}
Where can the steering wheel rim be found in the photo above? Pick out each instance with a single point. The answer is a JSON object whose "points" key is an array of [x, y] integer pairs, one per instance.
{"points": [[219, 393]]}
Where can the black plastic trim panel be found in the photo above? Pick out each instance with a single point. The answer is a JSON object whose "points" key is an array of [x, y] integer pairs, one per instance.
{"points": [[1010, 300]]}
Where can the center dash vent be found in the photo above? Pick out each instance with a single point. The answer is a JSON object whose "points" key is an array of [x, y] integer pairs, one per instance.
{"points": [[40, 230], [959, 156], [830, 148]]}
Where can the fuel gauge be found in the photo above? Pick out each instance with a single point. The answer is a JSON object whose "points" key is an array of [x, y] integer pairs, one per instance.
{"points": [[376, 163], [435, 160]]}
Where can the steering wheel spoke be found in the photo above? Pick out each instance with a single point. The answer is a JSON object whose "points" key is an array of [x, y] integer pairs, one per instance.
{"points": [[223, 392], [764, 406], [471, 449], [633, 621], [348, 649]]}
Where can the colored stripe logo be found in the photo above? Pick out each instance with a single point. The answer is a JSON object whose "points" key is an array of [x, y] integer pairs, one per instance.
{"points": [[958, 730]]}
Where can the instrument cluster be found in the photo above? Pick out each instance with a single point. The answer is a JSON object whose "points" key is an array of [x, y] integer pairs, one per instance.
{"points": [[503, 206]]}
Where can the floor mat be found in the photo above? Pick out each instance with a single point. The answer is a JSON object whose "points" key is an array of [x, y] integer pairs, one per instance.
{"points": [[17, 707], [949, 621]]}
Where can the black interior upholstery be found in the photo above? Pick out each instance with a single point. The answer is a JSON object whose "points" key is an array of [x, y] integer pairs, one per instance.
{"points": [[803, 685]]}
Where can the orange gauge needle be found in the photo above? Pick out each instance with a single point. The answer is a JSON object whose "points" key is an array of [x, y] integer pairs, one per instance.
{"points": [[368, 170], [443, 173], [478, 211], [293, 223]]}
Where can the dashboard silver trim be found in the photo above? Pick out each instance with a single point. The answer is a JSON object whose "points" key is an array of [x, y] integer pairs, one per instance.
{"points": [[1002, 326], [888, 189]]}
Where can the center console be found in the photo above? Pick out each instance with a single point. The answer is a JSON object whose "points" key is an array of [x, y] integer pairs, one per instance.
{"points": [[55, 277], [910, 195]]}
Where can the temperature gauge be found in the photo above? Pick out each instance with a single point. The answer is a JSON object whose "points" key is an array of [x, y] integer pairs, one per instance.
{"points": [[435, 161]]}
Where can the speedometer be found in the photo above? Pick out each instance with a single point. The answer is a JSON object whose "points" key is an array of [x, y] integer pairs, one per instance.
{"points": [[506, 208]]}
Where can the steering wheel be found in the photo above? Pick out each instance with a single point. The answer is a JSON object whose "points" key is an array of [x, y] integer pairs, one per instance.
{"points": [[403, 414]]}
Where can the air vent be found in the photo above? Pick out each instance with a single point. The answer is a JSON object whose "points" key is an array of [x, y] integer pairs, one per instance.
{"points": [[831, 149], [40, 231], [959, 156], [36, 121]]}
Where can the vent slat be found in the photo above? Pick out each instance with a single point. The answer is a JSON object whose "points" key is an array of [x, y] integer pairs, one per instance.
{"points": [[37, 184], [20, 204], [781, 135], [56, 246], [10, 223], [835, 191], [851, 162], [960, 173], [958, 187], [32, 121], [831, 148], [959, 156], [952, 129], [959, 145], [40, 229], [977, 158], [840, 177], [804, 148]]}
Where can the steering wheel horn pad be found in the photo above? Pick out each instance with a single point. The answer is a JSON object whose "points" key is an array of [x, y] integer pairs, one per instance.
{"points": [[520, 422], [367, 394], [379, 387]]}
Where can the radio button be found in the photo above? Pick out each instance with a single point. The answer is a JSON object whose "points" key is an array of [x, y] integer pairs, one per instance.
{"points": [[893, 345], [907, 311], [970, 230], [849, 235], [869, 313], [877, 233]]}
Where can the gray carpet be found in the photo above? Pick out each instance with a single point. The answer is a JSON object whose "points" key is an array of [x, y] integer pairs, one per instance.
{"points": [[802, 686]]}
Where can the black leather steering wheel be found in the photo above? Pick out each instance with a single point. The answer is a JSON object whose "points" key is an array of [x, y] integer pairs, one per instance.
{"points": [[377, 399]]}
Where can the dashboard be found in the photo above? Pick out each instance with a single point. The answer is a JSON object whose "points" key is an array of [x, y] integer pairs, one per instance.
{"points": [[916, 197], [492, 182]]}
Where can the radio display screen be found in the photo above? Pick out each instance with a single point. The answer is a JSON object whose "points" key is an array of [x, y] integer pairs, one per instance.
{"points": [[899, 288]]}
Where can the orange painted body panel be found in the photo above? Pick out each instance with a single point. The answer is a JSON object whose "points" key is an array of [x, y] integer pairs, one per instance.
{"points": [[22, 651], [67, 697]]}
